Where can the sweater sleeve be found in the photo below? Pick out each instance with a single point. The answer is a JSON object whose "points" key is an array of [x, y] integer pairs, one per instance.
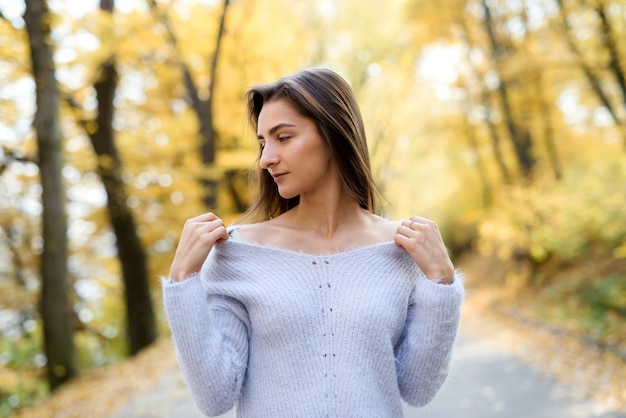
{"points": [[424, 351], [210, 335]]}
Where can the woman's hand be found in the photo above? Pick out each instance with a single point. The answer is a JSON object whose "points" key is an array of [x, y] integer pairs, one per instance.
{"points": [[420, 237], [199, 235]]}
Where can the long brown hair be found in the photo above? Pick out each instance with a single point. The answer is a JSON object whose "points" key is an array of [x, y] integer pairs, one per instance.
{"points": [[327, 99]]}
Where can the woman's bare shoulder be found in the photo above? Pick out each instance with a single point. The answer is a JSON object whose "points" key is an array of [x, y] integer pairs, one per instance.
{"points": [[382, 228], [367, 230], [250, 232], [259, 232]]}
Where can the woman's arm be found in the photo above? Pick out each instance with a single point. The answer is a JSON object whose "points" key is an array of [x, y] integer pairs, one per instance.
{"points": [[424, 351], [211, 339]]}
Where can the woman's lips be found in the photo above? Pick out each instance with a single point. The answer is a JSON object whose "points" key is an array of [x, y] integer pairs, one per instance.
{"points": [[278, 176]]}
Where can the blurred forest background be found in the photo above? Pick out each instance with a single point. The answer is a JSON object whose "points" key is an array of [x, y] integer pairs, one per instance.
{"points": [[503, 120]]}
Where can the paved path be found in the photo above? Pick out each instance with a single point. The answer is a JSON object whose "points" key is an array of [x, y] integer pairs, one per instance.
{"points": [[484, 383]]}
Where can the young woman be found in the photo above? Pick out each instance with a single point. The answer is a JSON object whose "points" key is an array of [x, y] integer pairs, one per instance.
{"points": [[313, 306]]}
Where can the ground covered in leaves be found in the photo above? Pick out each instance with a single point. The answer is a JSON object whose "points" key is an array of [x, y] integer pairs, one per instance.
{"points": [[98, 393], [588, 370], [549, 333]]}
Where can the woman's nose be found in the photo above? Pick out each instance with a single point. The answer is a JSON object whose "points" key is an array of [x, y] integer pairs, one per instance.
{"points": [[268, 157]]}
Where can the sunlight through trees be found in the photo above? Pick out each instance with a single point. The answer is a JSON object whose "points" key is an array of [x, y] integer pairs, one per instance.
{"points": [[503, 120]]}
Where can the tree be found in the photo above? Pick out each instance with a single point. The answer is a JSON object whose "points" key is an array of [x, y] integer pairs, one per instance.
{"points": [[140, 319], [608, 37], [593, 78], [203, 108], [519, 135], [476, 78], [55, 308]]}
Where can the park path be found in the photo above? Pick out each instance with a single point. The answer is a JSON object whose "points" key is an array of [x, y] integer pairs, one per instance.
{"points": [[485, 381]]}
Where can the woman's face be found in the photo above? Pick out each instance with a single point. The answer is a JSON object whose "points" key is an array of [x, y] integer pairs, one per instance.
{"points": [[292, 150]]}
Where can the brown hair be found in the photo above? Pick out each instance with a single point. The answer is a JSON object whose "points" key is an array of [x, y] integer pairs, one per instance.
{"points": [[326, 98]]}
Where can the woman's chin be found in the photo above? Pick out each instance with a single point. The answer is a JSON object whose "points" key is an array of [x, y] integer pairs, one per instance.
{"points": [[286, 194]]}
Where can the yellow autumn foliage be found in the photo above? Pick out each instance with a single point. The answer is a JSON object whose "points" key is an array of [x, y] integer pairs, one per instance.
{"points": [[427, 120]]}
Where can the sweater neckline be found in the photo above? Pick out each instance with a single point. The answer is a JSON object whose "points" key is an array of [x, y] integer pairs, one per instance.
{"points": [[387, 246]]}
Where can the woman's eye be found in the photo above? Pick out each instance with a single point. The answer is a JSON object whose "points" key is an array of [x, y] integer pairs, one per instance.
{"points": [[283, 138]]}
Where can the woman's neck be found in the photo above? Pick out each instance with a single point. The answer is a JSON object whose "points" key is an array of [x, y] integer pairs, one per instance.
{"points": [[328, 217]]}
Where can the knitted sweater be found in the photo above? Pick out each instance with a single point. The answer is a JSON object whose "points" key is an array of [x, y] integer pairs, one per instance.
{"points": [[287, 334]]}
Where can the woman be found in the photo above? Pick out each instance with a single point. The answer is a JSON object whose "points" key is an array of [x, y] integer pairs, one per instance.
{"points": [[313, 306]]}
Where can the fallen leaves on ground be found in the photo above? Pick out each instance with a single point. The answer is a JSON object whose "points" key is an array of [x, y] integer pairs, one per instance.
{"points": [[584, 371], [98, 393]]}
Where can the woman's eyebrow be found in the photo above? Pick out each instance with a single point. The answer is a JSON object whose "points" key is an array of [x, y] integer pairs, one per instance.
{"points": [[277, 127]]}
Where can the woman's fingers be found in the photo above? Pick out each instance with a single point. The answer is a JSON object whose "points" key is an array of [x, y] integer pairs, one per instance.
{"points": [[420, 237], [199, 235], [205, 217]]}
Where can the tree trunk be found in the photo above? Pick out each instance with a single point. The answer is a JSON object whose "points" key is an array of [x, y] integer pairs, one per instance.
{"points": [[202, 108], [608, 38], [481, 169], [493, 135], [140, 319], [520, 137], [545, 110], [55, 307], [208, 146], [478, 79], [594, 81], [230, 178]]}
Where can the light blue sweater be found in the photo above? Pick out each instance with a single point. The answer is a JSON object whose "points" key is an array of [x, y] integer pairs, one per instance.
{"points": [[286, 334]]}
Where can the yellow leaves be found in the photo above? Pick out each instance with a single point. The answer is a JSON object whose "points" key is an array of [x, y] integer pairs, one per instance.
{"points": [[620, 252], [411, 132], [59, 370], [517, 279], [538, 253], [15, 298], [106, 162], [565, 220], [98, 393], [237, 159], [9, 380], [91, 127]]}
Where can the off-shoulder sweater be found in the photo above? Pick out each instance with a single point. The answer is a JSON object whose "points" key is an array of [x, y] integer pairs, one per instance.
{"points": [[287, 334]]}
